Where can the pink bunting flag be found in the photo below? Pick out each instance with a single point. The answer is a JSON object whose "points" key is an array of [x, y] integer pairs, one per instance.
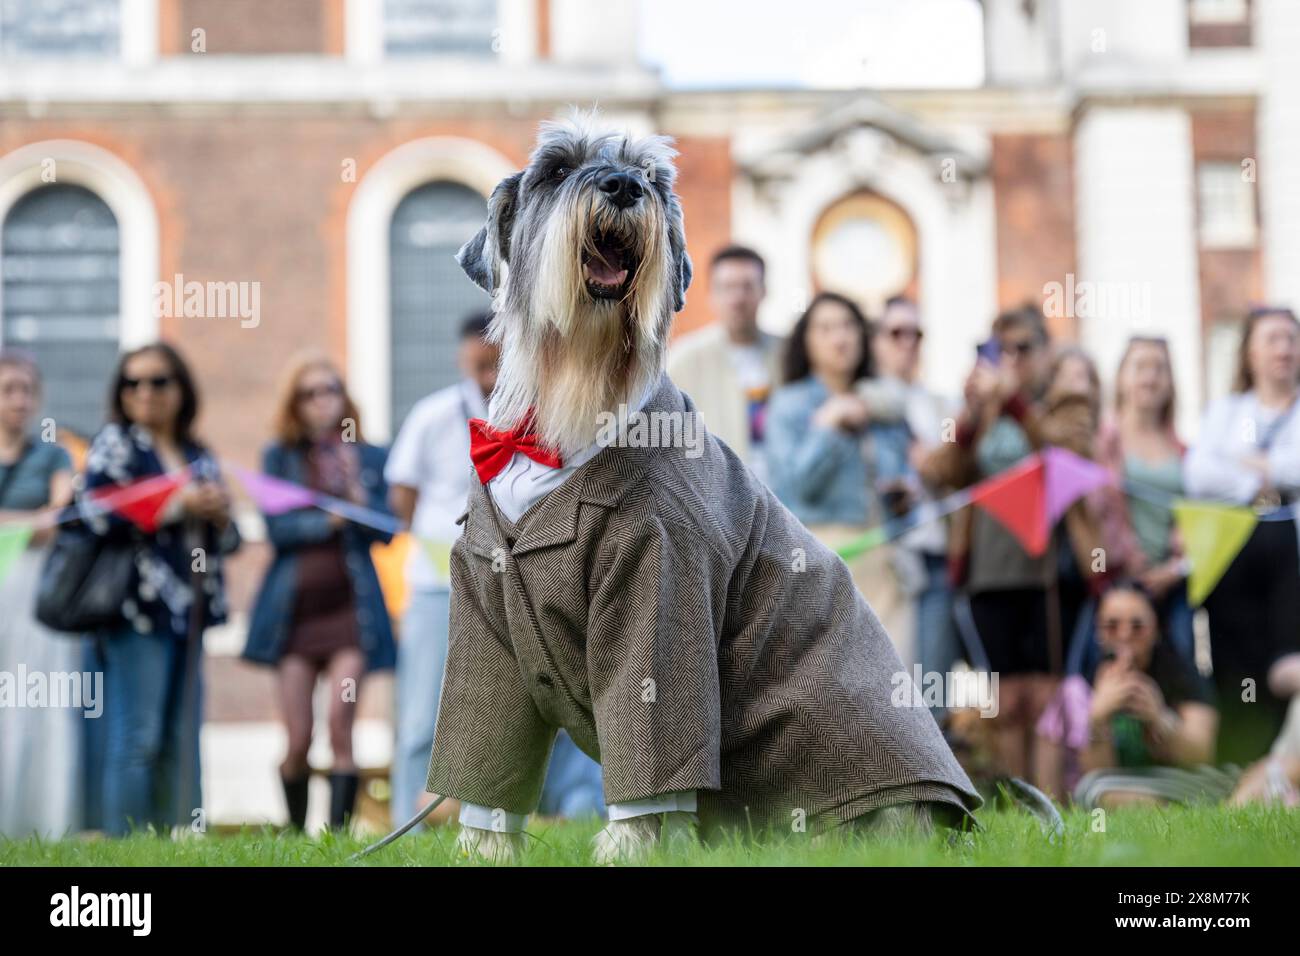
{"points": [[1068, 477], [275, 496]]}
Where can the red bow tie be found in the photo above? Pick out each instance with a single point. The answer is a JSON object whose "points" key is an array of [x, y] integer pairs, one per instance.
{"points": [[491, 449]]}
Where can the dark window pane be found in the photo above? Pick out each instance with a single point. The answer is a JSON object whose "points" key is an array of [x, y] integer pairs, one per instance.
{"points": [[59, 297], [430, 294]]}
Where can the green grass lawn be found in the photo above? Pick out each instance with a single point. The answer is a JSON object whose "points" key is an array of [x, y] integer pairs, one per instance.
{"points": [[1207, 836]]}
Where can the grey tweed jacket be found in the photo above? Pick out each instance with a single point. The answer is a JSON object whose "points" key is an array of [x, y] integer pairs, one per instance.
{"points": [[689, 633]]}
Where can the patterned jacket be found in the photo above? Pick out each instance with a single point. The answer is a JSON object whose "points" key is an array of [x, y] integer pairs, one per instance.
{"points": [[160, 601], [688, 632]]}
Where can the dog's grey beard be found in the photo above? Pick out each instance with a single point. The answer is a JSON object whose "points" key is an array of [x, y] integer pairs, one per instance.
{"points": [[569, 356]]}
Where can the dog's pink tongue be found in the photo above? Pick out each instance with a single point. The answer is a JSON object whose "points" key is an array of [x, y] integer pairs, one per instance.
{"points": [[604, 272]]}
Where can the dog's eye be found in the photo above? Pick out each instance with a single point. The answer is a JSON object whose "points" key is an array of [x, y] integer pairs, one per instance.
{"points": [[561, 172]]}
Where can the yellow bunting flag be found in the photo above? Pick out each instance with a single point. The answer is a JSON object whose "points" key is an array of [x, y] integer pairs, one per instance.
{"points": [[439, 555], [1212, 536], [13, 541]]}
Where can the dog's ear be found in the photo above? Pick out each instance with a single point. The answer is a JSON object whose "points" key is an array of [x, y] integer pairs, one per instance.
{"points": [[682, 270], [482, 256]]}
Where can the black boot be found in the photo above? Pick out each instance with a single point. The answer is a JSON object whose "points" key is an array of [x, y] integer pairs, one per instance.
{"points": [[343, 795], [295, 798]]}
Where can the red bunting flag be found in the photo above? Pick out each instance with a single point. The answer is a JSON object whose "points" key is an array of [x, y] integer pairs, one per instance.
{"points": [[142, 502], [1017, 498]]}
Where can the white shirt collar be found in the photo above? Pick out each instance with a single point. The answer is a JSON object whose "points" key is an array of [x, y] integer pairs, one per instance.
{"points": [[524, 482]]}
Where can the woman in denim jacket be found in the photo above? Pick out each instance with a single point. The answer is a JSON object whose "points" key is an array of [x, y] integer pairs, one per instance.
{"points": [[837, 449], [320, 609]]}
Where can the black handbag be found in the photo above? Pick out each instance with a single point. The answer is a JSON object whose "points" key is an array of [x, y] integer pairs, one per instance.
{"points": [[85, 581]]}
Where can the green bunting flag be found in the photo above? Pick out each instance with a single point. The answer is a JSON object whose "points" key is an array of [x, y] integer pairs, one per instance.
{"points": [[1212, 536], [13, 541], [861, 545]]}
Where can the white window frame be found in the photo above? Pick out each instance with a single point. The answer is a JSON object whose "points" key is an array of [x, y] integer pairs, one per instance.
{"points": [[1244, 235], [116, 183], [370, 214]]}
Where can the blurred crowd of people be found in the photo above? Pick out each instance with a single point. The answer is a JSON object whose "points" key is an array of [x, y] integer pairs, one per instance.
{"points": [[1110, 687], [1105, 691]]}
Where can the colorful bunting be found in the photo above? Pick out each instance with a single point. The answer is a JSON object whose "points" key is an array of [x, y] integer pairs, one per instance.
{"points": [[873, 538], [13, 541], [1027, 499], [1068, 477], [141, 502], [439, 555], [1017, 499], [274, 496], [1212, 536]]}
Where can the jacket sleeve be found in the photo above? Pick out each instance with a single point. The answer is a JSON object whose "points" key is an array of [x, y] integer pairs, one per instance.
{"points": [[885, 400], [803, 457], [1211, 469], [374, 461], [1284, 456], [299, 527], [491, 746], [652, 660], [111, 463]]}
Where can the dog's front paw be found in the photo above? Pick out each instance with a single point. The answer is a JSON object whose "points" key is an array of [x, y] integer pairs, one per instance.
{"points": [[489, 846], [631, 840]]}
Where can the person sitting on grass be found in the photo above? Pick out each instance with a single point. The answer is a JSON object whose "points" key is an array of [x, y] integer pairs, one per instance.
{"points": [[1151, 721]]}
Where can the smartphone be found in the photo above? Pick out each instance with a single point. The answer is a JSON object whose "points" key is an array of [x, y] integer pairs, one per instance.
{"points": [[989, 351]]}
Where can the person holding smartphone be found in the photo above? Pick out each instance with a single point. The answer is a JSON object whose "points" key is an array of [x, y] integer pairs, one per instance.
{"points": [[1010, 611]]}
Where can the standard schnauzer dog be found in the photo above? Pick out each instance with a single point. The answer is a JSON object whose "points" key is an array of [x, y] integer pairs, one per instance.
{"points": [[593, 235]]}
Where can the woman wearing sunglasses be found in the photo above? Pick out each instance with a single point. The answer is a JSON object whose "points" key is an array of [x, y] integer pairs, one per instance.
{"points": [[320, 611], [143, 762], [1151, 723]]}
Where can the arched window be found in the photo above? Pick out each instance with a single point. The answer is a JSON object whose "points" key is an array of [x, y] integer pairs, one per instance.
{"points": [[430, 295], [59, 256]]}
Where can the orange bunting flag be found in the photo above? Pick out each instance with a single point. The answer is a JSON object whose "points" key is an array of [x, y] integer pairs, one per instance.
{"points": [[1017, 498]]}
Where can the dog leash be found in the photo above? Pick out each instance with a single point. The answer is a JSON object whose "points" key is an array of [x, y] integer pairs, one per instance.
{"points": [[396, 834]]}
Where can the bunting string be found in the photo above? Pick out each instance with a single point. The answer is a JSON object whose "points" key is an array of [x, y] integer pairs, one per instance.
{"points": [[1028, 499]]}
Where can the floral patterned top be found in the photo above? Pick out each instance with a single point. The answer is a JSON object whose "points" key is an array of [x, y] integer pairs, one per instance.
{"points": [[166, 558]]}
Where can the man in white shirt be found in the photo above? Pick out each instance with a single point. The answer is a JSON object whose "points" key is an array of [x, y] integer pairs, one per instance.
{"points": [[428, 478], [730, 367]]}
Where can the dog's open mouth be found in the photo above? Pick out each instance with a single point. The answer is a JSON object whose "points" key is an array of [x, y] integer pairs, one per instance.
{"points": [[608, 265]]}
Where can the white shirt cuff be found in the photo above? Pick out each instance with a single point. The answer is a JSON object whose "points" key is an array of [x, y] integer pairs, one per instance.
{"points": [[487, 818], [677, 800]]}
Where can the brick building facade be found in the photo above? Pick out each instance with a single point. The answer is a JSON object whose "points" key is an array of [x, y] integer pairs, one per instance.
{"points": [[277, 144]]}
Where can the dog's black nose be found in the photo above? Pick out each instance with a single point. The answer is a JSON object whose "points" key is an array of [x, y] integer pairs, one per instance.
{"points": [[623, 189]]}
